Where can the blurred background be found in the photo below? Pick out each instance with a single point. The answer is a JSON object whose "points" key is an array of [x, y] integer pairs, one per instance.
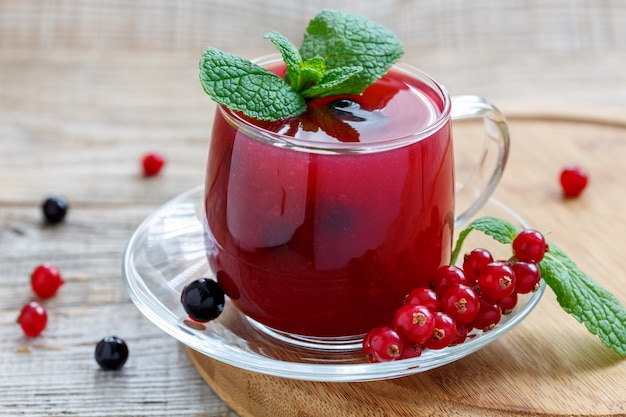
{"points": [[534, 42], [560, 26]]}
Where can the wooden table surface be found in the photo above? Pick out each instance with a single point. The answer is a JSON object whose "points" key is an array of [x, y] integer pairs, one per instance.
{"points": [[75, 121]]}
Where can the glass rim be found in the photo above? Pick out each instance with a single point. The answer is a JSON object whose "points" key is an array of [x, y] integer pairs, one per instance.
{"points": [[307, 145]]}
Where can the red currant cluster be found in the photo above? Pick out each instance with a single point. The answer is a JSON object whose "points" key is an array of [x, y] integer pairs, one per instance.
{"points": [[459, 300], [45, 281]]}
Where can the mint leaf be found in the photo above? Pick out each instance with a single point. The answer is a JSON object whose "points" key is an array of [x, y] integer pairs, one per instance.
{"points": [[244, 86], [336, 81], [585, 300], [342, 53], [500, 230], [311, 72], [349, 40], [589, 303], [291, 57]]}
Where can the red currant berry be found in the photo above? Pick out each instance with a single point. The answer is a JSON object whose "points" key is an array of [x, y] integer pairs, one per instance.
{"points": [[446, 276], [382, 344], [497, 280], [45, 280], [489, 315], [461, 303], [424, 297], [475, 261], [444, 332], [152, 164], [414, 323], [33, 319], [411, 350], [507, 304], [530, 246], [461, 334], [573, 181], [528, 277]]}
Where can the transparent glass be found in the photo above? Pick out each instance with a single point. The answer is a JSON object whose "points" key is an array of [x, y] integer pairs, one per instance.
{"points": [[167, 251], [317, 237]]}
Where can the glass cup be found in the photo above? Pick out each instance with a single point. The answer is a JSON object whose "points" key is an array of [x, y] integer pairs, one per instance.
{"points": [[318, 241]]}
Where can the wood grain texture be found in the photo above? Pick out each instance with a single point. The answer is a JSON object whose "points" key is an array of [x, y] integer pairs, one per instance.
{"points": [[505, 26], [86, 87]]}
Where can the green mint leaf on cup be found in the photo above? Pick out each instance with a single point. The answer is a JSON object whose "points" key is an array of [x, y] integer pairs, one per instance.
{"points": [[349, 40], [246, 87], [589, 303], [341, 53]]}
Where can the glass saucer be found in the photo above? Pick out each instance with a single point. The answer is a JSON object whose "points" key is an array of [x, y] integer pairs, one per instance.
{"points": [[167, 251]]}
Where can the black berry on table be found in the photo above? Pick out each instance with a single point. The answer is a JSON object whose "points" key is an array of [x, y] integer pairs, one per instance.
{"points": [[54, 209], [111, 353]]}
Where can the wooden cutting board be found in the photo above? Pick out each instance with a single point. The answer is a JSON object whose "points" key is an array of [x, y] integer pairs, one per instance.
{"points": [[550, 364]]}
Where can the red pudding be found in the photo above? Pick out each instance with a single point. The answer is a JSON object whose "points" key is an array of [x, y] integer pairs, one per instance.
{"points": [[327, 241]]}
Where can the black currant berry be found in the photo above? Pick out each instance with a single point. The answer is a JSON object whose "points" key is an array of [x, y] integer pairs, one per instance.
{"points": [[203, 300], [54, 209], [111, 353]]}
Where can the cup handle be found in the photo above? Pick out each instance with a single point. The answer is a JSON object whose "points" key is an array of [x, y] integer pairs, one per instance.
{"points": [[485, 175]]}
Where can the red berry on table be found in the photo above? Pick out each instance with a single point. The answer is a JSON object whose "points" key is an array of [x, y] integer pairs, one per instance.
{"points": [[152, 163], [530, 246], [425, 297], [461, 303], [46, 280], [414, 323], [528, 277], [497, 280], [474, 261], [382, 344], [573, 180], [443, 333], [33, 319]]}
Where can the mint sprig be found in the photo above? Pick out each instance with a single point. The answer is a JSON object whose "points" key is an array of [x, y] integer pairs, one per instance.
{"points": [[589, 303], [341, 53], [347, 40], [241, 85]]}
